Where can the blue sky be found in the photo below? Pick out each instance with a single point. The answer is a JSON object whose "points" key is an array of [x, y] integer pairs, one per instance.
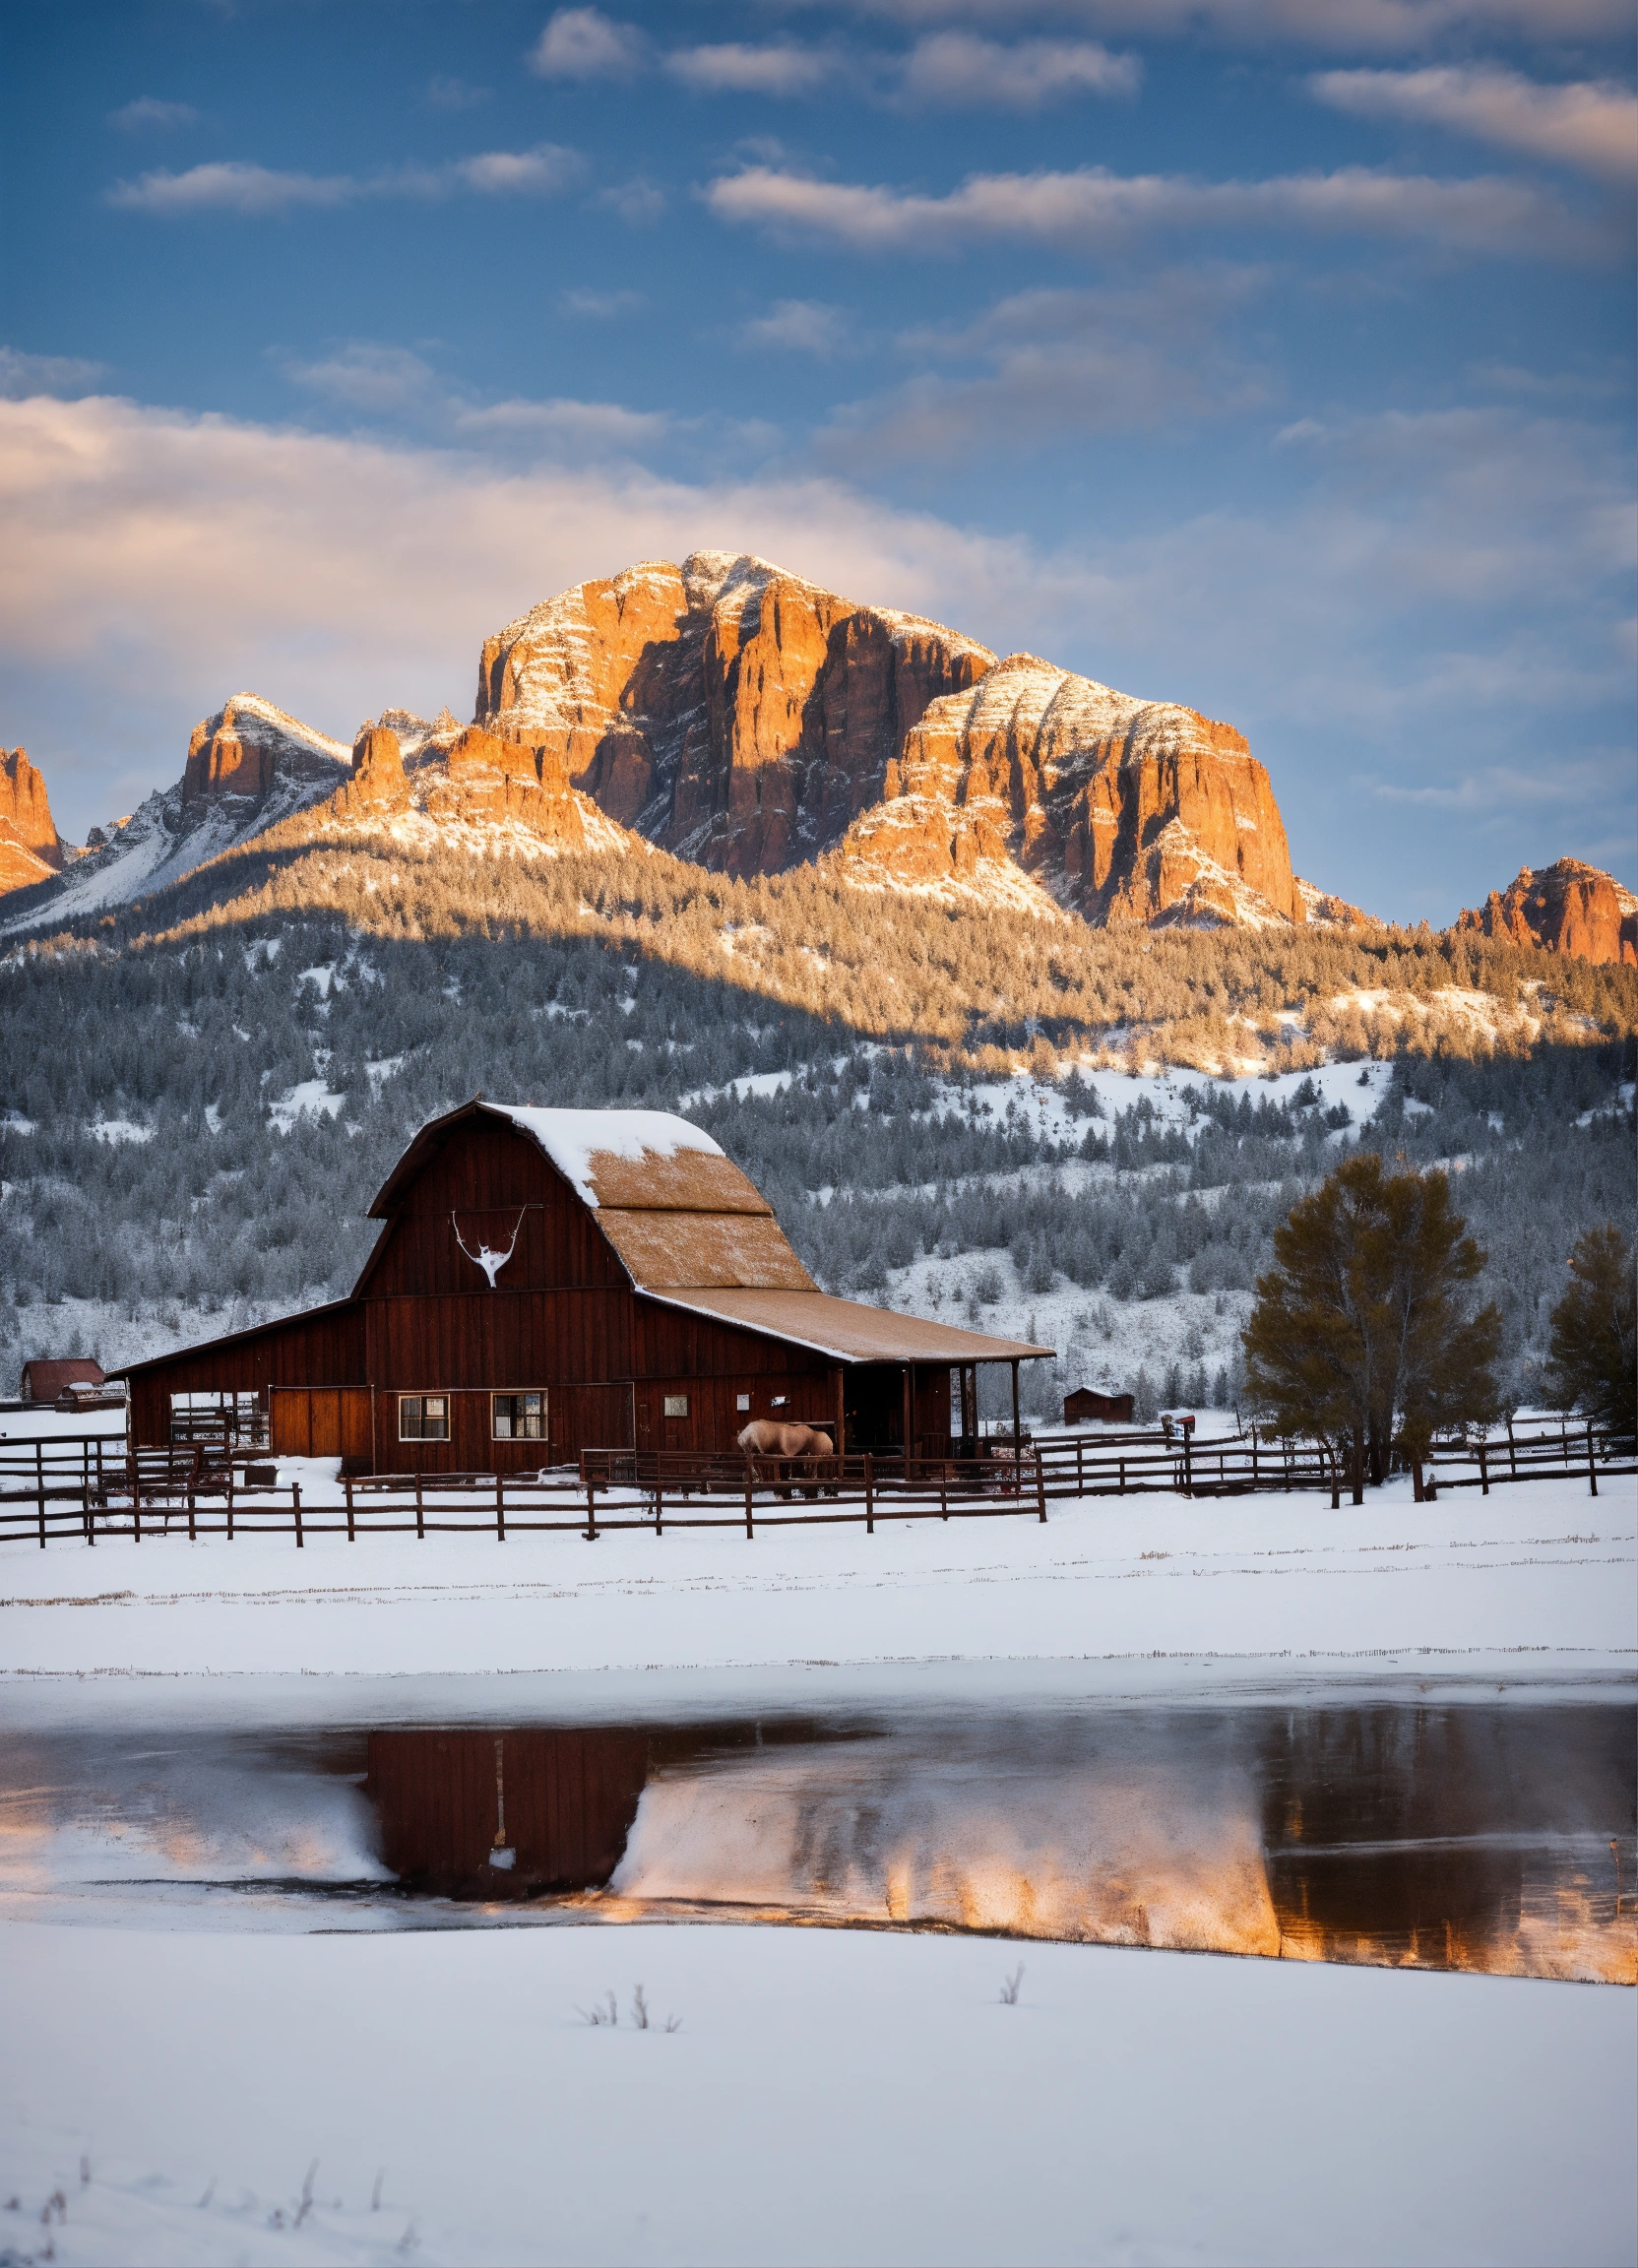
{"points": [[1272, 355]]}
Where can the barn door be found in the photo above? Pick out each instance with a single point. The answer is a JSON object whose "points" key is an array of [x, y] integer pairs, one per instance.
{"points": [[320, 1422]]}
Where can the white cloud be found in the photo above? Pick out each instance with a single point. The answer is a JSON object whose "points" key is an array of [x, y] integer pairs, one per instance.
{"points": [[600, 306], [1091, 207], [258, 191], [1364, 26], [1054, 362], [589, 428], [365, 375], [584, 44], [799, 327], [1590, 125], [24, 374], [961, 70], [639, 202], [456, 94], [149, 115], [734, 67]]}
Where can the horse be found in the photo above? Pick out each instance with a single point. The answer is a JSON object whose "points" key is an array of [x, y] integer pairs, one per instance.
{"points": [[766, 1438]]}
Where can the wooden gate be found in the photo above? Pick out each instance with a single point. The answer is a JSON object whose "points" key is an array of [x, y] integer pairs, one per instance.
{"points": [[323, 1422]]}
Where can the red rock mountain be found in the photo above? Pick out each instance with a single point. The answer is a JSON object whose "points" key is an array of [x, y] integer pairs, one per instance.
{"points": [[1568, 907], [30, 850], [743, 717]]}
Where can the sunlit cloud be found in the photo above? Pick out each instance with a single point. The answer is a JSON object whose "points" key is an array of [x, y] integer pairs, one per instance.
{"points": [[24, 374], [799, 327], [585, 43], [1590, 125], [259, 191], [961, 70], [782, 69], [149, 115], [1091, 208], [1362, 27]]}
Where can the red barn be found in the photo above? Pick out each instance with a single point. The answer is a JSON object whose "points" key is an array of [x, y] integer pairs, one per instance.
{"points": [[548, 1281]]}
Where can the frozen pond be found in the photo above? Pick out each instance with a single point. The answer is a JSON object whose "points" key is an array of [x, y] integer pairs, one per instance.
{"points": [[1436, 1830]]}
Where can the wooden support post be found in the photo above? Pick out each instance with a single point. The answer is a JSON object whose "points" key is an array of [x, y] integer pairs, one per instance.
{"points": [[1016, 1450], [1122, 1489], [193, 1531], [348, 1486], [869, 1498], [1041, 1486], [840, 1415], [1512, 1454], [1483, 1472], [40, 1484], [1253, 1456], [591, 1511], [500, 1508], [230, 1503], [909, 1413], [750, 1472], [1188, 1463], [659, 1494], [295, 1506], [944, 1491], [1079, 1465], [421, 1513], [1592, 1466]]}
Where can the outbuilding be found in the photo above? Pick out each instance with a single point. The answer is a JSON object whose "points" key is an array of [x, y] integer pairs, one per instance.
{"points": [[59, 1377], [1085, 1406], [551, 1280]]}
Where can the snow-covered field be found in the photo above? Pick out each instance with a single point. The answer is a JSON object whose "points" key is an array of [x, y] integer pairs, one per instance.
{"points": [[829, 2094], [1532, 1579]]}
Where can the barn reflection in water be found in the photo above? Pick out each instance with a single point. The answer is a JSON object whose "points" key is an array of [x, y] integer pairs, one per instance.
{"points": [[1465, 1837]]}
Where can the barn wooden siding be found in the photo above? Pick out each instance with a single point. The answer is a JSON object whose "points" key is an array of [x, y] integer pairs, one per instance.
{"points": [[570, 1799], [327, 1344]]}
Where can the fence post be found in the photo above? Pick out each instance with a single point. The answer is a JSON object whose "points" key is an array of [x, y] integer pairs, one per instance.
{"points": [[295, 1507], [500, 1508], [420, 1515], [659, 1494], [1592, 1467], [869, 1498], [591, 1505], [1483, 1472], [193, 1534], [749, 1530], [1121, 1491], [40, 1484], [1188, 1464], [1079, 1465], [347, 1484], [1512, 1454], [229, 1503], [1041, 1486], [1254, 1457]]}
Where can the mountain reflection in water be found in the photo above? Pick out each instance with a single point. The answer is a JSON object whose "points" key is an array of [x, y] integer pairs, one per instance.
{"points": [[1458, 1836]]}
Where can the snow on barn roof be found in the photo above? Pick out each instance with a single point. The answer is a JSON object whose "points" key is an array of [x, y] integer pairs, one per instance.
{"points": [[646, 1159]]}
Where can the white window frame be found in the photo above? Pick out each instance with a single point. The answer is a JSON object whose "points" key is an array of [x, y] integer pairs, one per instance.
{"points": [[444, 1395], [675, 1405]]}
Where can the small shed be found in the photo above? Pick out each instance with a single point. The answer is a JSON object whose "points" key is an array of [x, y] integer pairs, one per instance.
{"points": [[1083, 1405], [49, 1379]]}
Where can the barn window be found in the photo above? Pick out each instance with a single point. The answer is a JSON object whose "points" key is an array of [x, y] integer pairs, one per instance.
{"points": [[518, 1417], [741, 1401], [676, 1404], [423, 1416]]}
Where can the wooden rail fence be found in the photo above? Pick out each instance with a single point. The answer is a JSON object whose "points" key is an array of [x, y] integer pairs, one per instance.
{"points": [[90, 1487]]}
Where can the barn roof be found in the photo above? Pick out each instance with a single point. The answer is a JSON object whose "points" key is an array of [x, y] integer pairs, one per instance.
{"points": [[628, 1160], [847, 1331], [46, 1377]]}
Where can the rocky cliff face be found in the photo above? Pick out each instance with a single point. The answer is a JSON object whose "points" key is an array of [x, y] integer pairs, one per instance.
{"points": [[1568, 907], [744, 718], [1127, 811], [730, 711], [25, 822]]}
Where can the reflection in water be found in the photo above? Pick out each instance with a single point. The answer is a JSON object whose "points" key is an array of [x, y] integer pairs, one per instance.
{"points": [[1446, 1835]]}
